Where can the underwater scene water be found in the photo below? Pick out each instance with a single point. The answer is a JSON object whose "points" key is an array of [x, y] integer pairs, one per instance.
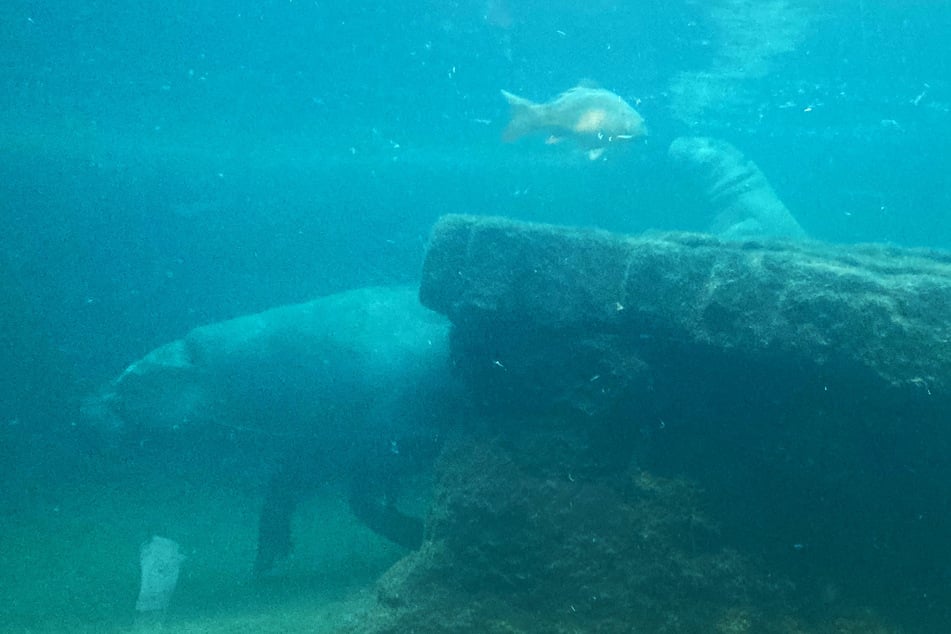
{"points": [[215, 217]]}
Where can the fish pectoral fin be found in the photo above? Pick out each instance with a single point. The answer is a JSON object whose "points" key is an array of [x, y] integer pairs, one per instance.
{"points": [[590, 121], [596, 153]]}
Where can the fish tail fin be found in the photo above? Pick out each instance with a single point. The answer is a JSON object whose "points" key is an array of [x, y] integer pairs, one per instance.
{"points": [[524, 118]]}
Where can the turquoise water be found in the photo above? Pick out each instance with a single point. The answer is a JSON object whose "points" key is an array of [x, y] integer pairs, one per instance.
{"points": [[179, 163]]}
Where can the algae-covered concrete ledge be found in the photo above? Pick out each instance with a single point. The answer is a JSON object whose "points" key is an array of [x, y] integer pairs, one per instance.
{"points": [[877, 310]]}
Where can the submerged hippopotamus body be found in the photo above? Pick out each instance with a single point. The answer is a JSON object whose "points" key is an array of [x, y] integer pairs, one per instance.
{"points": [[355, 383]]}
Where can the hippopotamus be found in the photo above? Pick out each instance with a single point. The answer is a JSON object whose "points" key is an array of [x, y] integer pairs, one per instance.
{"points": [[357, 383], [742, 202]]}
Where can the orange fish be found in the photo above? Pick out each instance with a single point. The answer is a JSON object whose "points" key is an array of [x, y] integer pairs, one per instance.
{"points": [[593, 117]]}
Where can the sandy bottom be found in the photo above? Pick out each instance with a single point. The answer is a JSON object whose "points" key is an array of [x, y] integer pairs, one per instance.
{"points": [[70, 561]]}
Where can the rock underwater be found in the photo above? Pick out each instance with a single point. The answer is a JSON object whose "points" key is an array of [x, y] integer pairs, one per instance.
{"points": [[682, 434]]}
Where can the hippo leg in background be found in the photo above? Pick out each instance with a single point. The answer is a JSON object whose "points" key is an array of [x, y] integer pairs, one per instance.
{"points": [[742, 201]]}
